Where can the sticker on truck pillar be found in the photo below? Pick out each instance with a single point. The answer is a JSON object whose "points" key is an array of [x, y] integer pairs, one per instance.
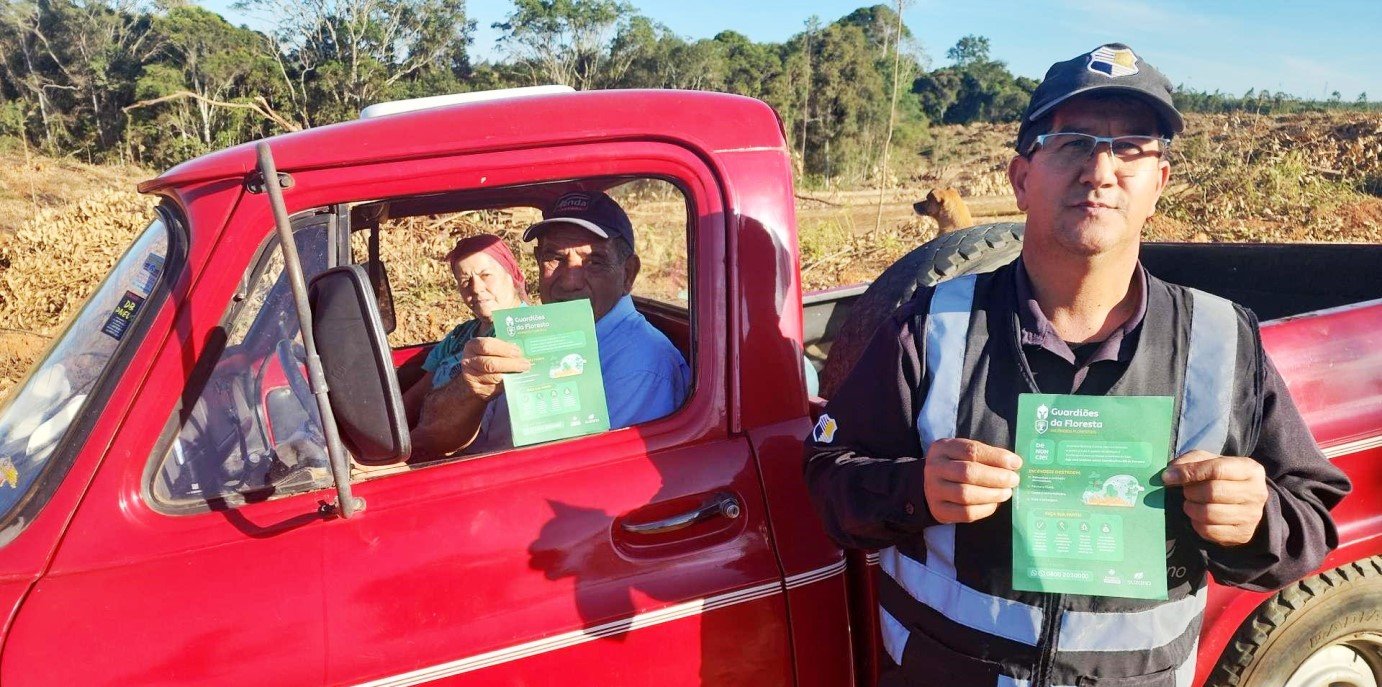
{"points": [[119, 321], [148, 274]]}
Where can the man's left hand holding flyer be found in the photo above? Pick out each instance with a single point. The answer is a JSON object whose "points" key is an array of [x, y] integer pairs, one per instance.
{"points": [[563, 394]]}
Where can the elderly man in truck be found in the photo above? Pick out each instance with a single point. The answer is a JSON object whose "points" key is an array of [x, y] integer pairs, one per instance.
{"points": [[915, 452], [585, 249]]}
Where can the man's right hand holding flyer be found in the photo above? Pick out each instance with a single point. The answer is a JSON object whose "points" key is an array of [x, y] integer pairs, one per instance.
{"points": [[484, 363]]}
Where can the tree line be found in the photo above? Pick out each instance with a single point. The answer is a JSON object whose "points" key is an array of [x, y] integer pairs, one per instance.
{"points": [[154, 82]]}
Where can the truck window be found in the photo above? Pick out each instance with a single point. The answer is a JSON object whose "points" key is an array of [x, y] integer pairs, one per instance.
{"points": [[252, 431], [429, 307], [660, 217], [39, 413], [424, 291]]}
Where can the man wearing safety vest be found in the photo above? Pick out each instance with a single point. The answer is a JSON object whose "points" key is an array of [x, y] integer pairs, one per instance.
{"points": [[914, 454]]}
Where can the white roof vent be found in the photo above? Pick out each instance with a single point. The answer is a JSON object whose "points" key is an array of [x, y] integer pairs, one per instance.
{"points": [[414, 104]]}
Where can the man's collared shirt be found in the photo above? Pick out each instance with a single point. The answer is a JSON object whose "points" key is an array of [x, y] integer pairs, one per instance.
{"points": [[1059, 367], [645, 377]]}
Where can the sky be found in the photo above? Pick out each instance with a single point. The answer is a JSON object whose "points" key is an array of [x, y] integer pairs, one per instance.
{"points": [[1307, 49]]}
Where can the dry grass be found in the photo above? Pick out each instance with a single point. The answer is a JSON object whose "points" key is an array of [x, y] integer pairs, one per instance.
{"points": [[1235, 178], [31, 183]]}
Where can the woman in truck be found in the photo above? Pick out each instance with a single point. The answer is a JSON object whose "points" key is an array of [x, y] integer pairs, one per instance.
{"points": [[488, 279]]}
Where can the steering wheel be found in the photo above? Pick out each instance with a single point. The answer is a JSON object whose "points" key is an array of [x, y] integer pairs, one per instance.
{"points": [[300, 451], [290, 359]]}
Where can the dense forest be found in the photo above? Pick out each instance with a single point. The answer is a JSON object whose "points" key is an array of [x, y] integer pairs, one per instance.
{"points": [[154, 82]]}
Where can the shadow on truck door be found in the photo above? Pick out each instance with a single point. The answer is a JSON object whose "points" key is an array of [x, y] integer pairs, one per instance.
{"points": [[726, 643], [693, 562], [590, 547]]}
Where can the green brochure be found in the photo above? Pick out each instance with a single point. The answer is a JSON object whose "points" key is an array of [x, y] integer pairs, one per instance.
{"points": [[563, 395], [1089, 516]]}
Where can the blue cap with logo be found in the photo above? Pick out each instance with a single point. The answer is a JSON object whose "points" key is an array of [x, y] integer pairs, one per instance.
{"points": [[590, 210], [1113, 67]]}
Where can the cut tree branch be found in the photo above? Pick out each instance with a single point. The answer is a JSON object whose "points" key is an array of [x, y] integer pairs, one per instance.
{"points": [[261, 107]]}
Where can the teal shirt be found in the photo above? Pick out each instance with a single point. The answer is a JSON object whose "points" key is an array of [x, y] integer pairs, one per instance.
{"points": [[444, 360]]}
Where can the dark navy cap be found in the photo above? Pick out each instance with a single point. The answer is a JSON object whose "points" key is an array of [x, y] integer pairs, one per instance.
{"points": [[1108, 68], [591, 210]]}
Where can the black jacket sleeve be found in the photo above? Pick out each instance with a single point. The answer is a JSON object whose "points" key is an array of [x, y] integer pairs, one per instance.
{"points": [[863, 460], [1302, 486]]}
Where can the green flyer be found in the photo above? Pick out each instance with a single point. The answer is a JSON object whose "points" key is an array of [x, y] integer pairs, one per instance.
{"points": [[1089, 515], [563, 395]]}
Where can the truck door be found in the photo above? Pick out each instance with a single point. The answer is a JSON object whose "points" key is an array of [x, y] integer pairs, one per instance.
{"points": [[196, 557], [633, 557]]}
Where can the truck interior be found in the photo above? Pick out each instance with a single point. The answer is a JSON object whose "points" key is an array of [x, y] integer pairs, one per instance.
{"points": [[660, 293]]}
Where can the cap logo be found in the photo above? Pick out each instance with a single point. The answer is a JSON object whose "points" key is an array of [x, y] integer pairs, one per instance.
{"points": [[572, 201], [1113, 62]]}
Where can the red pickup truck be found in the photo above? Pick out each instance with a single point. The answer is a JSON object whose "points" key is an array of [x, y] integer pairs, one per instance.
{"points": [[188, 481]]}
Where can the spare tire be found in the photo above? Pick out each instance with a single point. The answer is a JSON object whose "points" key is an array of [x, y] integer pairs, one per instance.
{"points": [[981, 248], [1323, 630]]}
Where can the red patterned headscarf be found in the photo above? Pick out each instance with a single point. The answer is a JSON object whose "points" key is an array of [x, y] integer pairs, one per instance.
{"points": [[493, 246]]}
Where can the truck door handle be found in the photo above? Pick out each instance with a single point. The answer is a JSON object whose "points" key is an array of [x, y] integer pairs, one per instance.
{"points": [[719, 505]]}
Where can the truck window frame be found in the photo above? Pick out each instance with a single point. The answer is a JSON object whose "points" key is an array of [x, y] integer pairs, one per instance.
{"points": [[702, 417], [205, 366], [645, 304]]}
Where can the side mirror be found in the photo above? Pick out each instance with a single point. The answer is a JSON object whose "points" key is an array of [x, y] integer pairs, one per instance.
{"points": [[383, 294], [358, 366]]}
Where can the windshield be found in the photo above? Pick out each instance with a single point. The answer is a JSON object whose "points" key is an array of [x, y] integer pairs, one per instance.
{"points": [[36, 417]]}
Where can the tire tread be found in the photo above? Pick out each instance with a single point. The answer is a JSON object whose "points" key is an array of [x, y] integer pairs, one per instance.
{"points": [[1258, 629]]}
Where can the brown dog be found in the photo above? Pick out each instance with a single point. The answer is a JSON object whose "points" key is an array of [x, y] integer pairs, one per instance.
{"points": [[947, 208]]}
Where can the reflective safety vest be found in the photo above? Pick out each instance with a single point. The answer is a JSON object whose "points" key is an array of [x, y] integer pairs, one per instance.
{"points": [[949, 614]]}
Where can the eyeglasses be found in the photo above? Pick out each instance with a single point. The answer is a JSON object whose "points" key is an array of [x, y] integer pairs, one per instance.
{"points": [[1071, 148]]}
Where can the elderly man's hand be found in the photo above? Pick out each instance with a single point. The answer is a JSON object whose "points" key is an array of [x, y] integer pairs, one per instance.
{"points": [[1224, 495], [484, 362], [965, 480]]}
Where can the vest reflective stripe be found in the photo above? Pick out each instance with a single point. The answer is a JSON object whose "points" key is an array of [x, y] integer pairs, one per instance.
{"points": [[1185, 674], [1209, 374], [1005, 681], [1134, 631], [964, 605], [947, 331], [940, 550], [894, 635]]}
